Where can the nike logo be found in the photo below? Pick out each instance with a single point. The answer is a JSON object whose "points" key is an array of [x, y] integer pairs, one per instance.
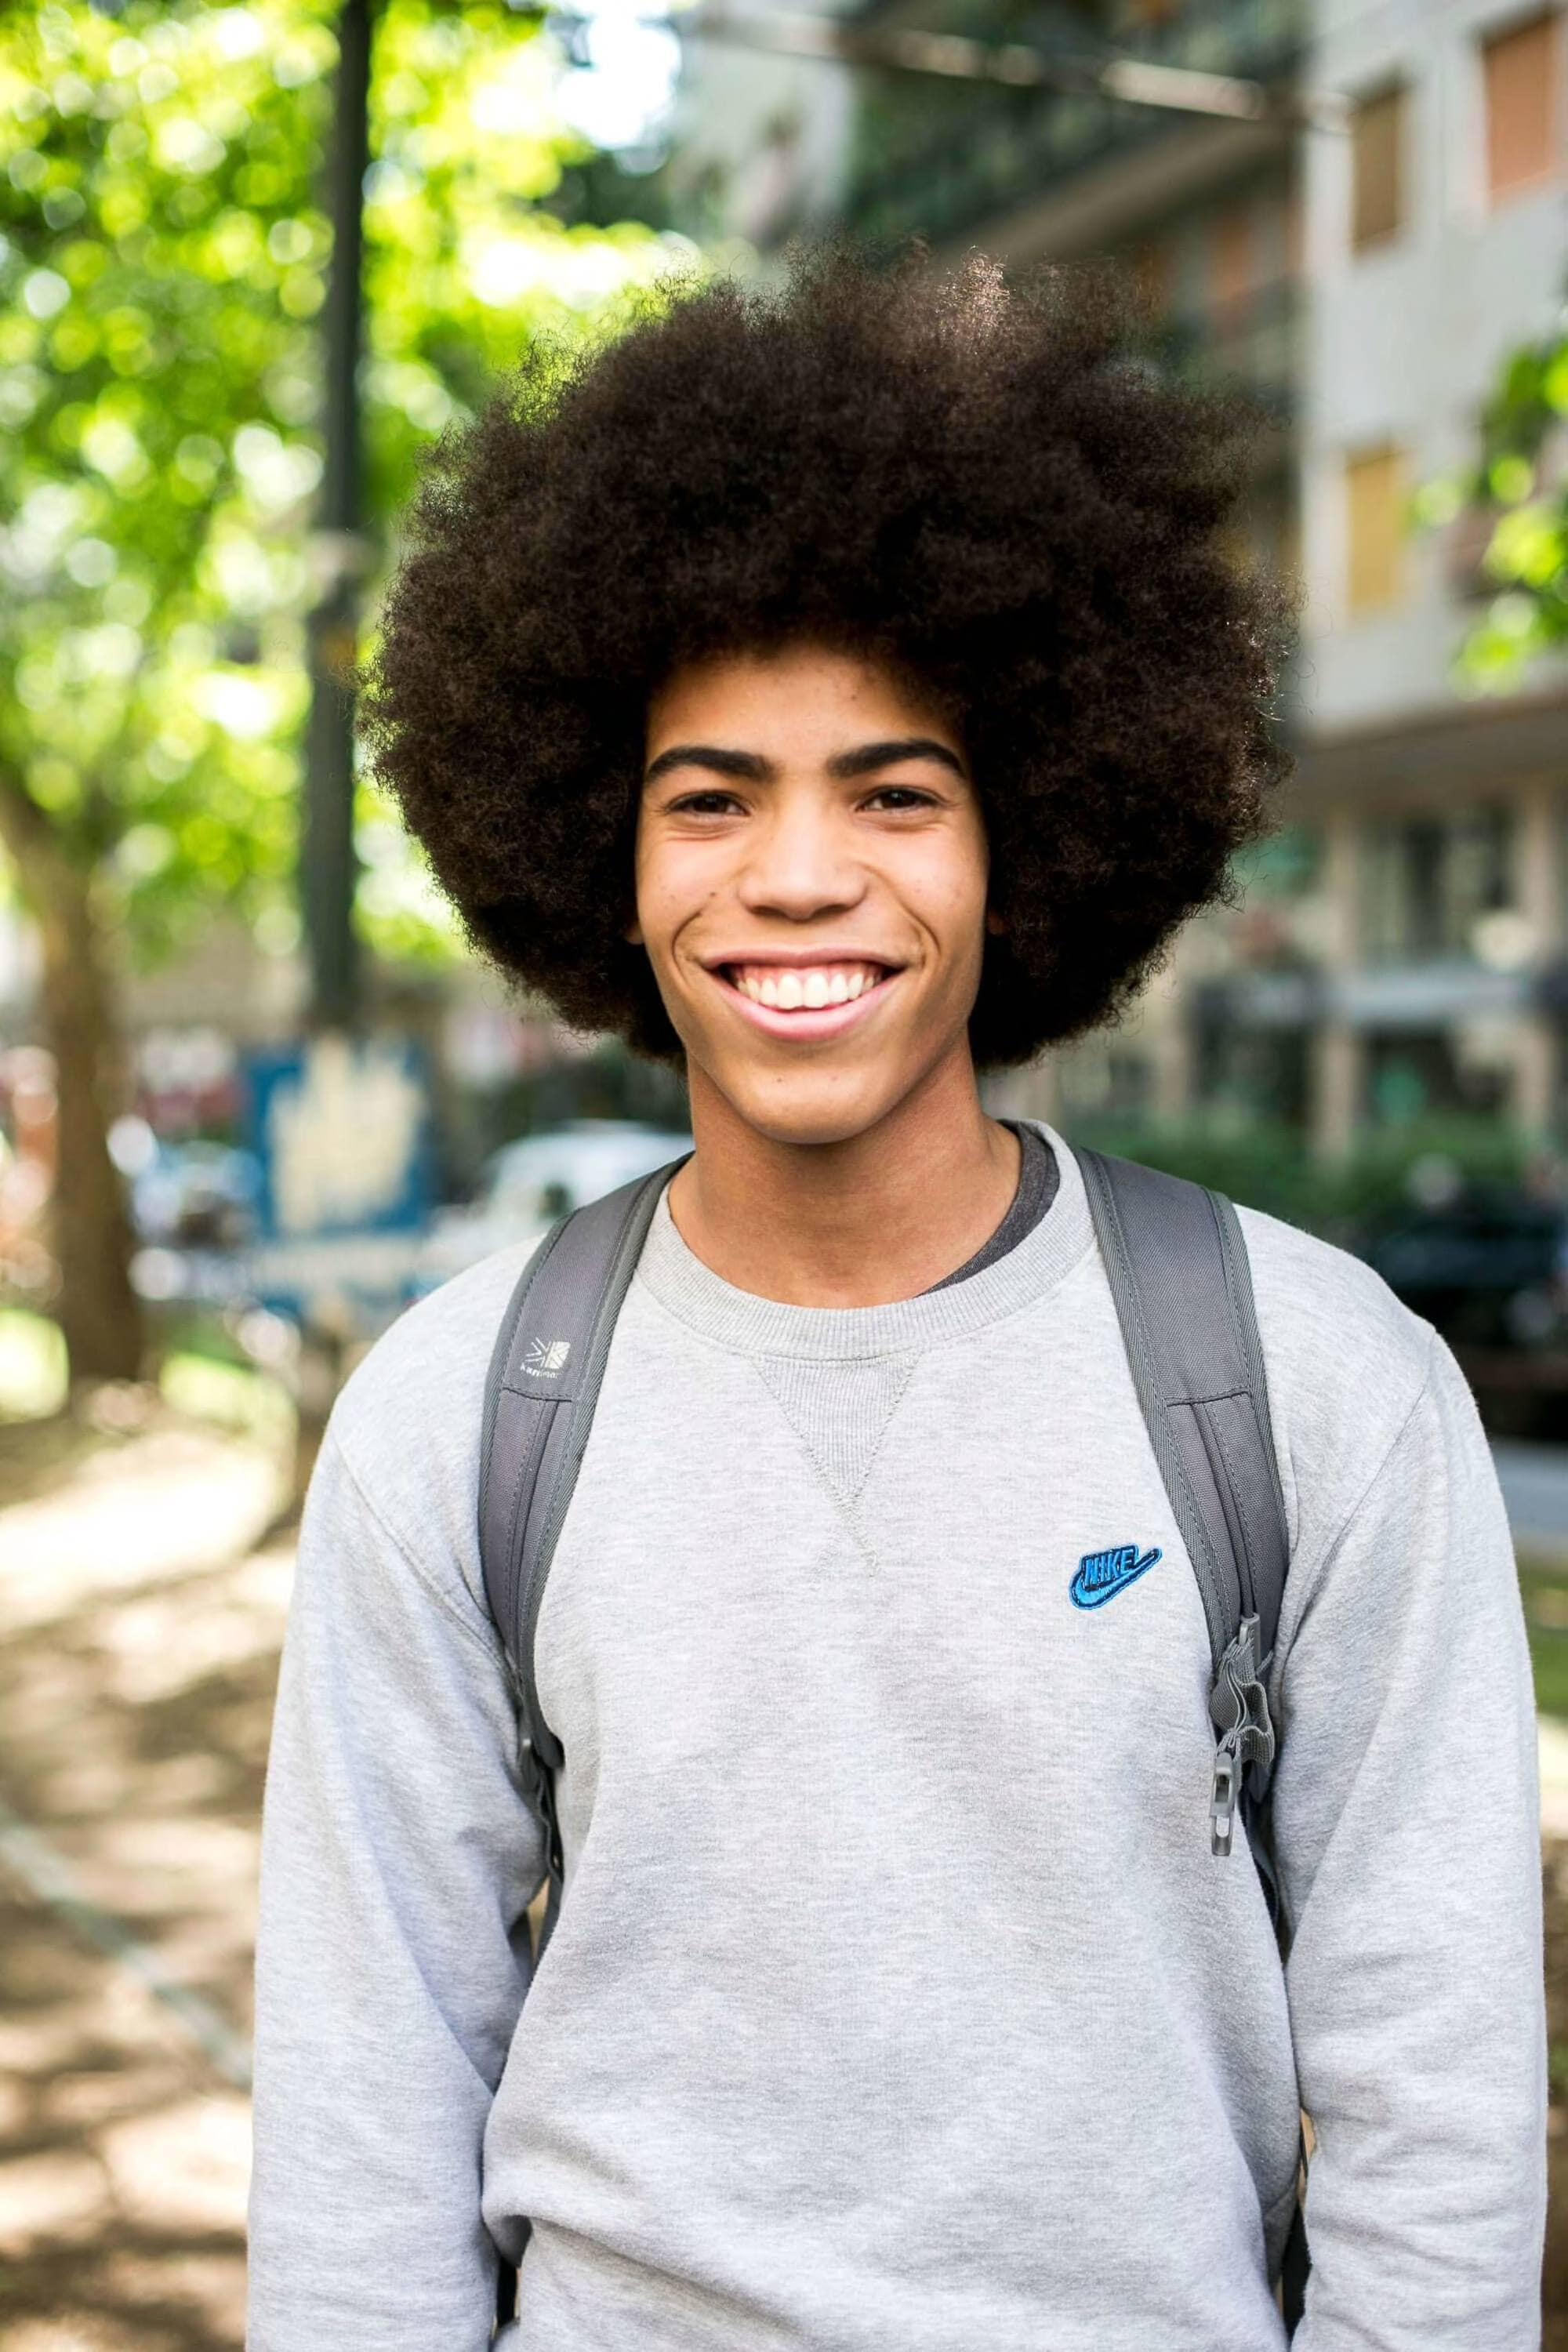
{"points": [[1102, 1575]]}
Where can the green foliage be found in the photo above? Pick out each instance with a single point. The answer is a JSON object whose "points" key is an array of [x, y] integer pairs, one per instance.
{"points": [[1522, 479], [1269, 1167], [162, 259], [1544, 1588]]}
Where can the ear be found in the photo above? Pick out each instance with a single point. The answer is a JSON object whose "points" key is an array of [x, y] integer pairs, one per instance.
{"points": [[633, 933], [994, 923]]}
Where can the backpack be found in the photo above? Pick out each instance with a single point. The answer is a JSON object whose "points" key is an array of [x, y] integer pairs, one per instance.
{"points": [[1177, 1265]]}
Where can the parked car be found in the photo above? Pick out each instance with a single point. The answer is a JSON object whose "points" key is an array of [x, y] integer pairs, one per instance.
{"points": [[526, 1185], [1489, 1267]]}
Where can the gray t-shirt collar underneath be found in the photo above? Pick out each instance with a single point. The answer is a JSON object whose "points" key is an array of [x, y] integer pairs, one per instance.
{"points": [[1038, 1181], [738, 1318]]}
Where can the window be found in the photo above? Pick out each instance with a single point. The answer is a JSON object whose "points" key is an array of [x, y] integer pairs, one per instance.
{"points": [[1377, 169], [1376, 502], [1420, 1075], [1430, 880], [1522, 71], [1263, 1074]]}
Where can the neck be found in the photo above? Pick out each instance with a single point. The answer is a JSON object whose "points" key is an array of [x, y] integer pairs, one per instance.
{"points": [[879, 1217]]}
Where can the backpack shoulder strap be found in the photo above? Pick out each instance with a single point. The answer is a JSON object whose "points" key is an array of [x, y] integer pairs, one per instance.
{"points": [[1177, 1265], [542, 1386]]}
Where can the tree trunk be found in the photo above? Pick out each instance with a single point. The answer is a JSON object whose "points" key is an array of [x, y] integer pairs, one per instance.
{"points": [[98, 1310]]}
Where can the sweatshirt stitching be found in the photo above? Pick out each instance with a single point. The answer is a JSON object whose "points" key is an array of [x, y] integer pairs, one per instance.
{"points": [[842, 1510], [490, 1643], [876, 1454]]}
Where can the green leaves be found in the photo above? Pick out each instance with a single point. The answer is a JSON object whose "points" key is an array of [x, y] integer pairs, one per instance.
{"points": [[162, 259], [1522, 479]]}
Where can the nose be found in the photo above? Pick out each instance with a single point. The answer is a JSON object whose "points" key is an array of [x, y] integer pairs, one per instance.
{"points": [[801, 863]]}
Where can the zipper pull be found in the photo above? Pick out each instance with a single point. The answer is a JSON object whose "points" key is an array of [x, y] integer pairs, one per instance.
{"points": [[1225, 1789], [1238, 1708]]}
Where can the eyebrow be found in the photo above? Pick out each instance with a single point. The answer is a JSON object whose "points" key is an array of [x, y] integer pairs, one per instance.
{"points": [[750, 764], [864, 760]]}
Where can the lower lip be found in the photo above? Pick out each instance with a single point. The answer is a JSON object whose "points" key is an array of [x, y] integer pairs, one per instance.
{"points": [[811, 1022]]}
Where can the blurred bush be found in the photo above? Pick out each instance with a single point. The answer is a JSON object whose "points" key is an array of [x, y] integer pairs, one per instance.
{"points": [[1268, 1167]]}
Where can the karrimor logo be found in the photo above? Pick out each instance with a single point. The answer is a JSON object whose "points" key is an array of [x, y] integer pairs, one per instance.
{"points": [[545, 1358], [1102, 1575]]}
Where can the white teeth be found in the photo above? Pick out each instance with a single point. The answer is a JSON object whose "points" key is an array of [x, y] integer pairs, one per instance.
{"points": [[788, 990]]}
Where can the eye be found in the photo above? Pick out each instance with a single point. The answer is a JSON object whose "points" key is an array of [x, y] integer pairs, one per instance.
{"points": [[897, 797], [710, 804]]}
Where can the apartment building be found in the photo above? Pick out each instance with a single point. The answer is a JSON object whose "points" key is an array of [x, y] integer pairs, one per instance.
{"points": [[1432, 824], [1400, 947]]}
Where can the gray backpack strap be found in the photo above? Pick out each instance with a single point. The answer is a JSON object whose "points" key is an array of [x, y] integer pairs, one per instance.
{"points": [[1178, 1270], [542, 1387], [540, 1393]]}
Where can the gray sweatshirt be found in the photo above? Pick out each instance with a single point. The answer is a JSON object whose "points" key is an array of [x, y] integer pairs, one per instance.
{"points": [[897, 2003]]}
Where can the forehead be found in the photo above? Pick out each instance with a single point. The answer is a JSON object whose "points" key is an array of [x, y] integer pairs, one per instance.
{"points": [[800, 704]]}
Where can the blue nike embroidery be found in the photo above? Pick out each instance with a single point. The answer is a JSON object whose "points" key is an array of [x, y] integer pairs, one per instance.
{"points": [[1102, 1575]]}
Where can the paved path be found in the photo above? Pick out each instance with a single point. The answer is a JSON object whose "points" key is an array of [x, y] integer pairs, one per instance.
{"points": [[139, 1629]]}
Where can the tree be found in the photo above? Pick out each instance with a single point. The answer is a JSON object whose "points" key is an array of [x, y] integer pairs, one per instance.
{"points": [[162, 261], [1522, 479]]}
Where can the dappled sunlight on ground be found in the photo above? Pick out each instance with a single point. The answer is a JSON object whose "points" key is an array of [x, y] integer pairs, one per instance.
{"points": [[141, 1609]]}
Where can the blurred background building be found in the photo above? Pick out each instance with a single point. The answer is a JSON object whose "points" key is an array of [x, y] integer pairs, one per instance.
{"points": [[1359, 263]]}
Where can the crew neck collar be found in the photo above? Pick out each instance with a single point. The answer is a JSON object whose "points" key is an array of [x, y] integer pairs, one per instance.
{"points": [[765, 1326]]}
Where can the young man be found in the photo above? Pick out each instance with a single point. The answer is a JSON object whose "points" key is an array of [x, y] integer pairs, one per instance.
{"points": [[840, 690]]}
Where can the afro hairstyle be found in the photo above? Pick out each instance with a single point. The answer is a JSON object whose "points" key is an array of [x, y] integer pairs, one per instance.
{"points": [[986, 488]]}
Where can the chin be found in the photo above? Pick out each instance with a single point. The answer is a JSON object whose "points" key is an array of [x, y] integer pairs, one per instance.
{"points": [[809, 1109]]}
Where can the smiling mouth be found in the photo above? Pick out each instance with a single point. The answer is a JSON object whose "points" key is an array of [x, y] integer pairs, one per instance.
{"points": [[806, 988]]}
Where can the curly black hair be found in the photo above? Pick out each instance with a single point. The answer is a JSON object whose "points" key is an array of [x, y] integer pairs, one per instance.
{"points": [[987, 488]]}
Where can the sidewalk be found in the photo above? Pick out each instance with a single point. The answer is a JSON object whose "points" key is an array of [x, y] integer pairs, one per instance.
{"points": [[138, 1632]]}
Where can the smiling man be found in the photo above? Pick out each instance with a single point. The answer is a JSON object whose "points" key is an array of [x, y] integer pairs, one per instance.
{"points": [[811, 869], [840, 692]]}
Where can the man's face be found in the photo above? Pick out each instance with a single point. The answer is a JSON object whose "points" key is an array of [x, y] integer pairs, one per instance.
{"points": [[811, 880]]}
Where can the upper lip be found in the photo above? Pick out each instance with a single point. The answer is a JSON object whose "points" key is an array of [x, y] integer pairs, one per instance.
{"points": [[798, 959]]}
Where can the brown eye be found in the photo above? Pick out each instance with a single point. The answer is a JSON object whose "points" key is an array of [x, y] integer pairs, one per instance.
{"points": [[702, 805], [903, 796]]}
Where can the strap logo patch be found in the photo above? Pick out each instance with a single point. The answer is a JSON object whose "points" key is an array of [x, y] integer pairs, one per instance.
{"points": [[546, 1357], [1102, 1575]]}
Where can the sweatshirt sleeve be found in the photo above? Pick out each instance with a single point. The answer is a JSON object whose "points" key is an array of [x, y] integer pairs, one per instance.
{"points": [[1407, 1829], [398, 1859]]}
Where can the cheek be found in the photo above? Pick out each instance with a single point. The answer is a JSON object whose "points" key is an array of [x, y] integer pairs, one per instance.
{"points": [[674, 882], [947, 893], [657, 880]]}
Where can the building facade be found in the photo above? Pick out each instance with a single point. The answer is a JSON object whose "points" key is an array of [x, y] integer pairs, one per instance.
{"points": [[1438, 241], [1399, 949]]}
